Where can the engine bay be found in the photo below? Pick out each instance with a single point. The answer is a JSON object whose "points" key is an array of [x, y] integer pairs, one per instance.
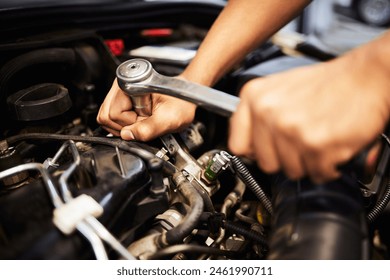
{"points": [[68, 190]]}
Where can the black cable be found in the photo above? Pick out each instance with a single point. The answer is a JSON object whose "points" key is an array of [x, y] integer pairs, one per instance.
{"points": [[382, 203], [250, 234], [384, 136], [188, 248], [127, 146], [247, 178]]}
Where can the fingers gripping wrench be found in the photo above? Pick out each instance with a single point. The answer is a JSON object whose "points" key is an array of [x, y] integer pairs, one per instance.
{"points": [[138, 79]]}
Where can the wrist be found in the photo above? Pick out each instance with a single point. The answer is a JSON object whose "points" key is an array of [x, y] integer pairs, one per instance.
{"points": [[369, 68], [377, 61], [199, 77]]}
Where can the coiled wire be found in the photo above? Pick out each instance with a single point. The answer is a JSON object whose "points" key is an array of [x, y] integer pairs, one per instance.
{"points": [[244, 174], [382, 203]]}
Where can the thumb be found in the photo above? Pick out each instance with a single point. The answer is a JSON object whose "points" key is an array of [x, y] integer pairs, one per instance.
{"points": [[144, 130]]}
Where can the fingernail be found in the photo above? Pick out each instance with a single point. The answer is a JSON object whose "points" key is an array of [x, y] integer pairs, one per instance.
{"points": [[127, 135]]}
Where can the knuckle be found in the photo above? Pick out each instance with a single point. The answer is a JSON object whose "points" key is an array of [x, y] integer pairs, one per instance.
{"points": [[267, 165], [314, 143], [112, 116], [266, 106], [101, 120], [288, 126], [249, 88], [263, 105]]}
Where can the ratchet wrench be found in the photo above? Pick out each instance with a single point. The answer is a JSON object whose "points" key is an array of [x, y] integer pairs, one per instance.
{"points": [[138, 79]]}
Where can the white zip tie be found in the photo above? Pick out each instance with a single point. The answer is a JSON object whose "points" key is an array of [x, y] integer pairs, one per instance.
{"points": [[69, 215]]}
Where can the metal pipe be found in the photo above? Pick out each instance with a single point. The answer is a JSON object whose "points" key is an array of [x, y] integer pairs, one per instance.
{"points": [[54, 196], [90, 225]]}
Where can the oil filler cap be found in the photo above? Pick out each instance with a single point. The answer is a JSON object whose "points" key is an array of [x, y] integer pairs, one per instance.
{"points": [[39, 102]]}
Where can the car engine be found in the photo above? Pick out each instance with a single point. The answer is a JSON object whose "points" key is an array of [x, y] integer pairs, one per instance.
{"points": [[69, 190]]}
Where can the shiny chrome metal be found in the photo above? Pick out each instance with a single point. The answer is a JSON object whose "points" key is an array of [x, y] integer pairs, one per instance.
{"points": [[133, 71], [137, 78]]}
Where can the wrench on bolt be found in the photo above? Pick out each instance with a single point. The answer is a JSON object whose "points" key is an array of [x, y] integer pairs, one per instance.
{"points": [[138, 79]]}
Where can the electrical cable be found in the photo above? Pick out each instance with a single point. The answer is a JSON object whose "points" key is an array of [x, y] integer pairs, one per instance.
{"points": [[250, 234], [244, 174], [382, 203], [127, 146]]}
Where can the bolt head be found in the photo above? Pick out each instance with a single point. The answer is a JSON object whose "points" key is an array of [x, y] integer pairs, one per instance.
{"points": [[134, 70]]}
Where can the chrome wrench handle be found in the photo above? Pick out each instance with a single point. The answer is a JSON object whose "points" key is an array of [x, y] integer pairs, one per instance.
{"points": [[137, 78]]}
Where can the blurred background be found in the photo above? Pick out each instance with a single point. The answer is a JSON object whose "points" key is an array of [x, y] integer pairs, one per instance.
{"points": [[339, 25]]}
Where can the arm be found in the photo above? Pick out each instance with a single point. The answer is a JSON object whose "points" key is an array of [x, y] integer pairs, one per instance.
{"points": [[318, 117], [241, 26]]}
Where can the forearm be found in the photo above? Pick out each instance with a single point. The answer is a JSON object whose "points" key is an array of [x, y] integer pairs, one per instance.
{"points": [[368, 67], [380, 52], [241, 27]]}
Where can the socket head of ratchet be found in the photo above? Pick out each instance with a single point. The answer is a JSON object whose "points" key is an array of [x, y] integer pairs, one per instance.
{"points": [[135, 71]]}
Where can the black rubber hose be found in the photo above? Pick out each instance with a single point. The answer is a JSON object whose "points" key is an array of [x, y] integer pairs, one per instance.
{"points": [[250, 234], [247, 178], [127, 146], [319, 221], [191, 219], [42, 56]]}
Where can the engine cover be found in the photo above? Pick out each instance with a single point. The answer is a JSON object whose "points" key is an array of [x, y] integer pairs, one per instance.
{"points": [[121, 186]]}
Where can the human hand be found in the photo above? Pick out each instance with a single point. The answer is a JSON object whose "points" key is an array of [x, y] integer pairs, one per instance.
{"points": [[311, 120], [169, 114]]}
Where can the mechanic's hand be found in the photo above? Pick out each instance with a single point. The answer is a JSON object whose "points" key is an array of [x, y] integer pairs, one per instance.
{"points": [[169, 114], [311, 120]]}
